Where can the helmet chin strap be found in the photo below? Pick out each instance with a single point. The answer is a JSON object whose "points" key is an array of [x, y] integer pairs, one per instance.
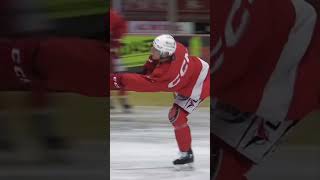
{"points": [[167, 58], [163, 57]]}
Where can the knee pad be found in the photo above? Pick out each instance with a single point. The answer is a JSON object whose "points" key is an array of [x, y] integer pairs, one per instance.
{"points": [[173, 114], [178, 117]]}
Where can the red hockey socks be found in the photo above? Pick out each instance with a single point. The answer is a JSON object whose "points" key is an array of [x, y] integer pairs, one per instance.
{"points": [[178, 118]]}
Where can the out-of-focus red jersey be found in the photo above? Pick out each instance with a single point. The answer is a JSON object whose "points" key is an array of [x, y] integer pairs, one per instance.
{"points": [[265, 57]]}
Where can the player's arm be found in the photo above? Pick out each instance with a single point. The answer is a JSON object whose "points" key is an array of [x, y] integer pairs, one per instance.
{"points": [[143, 83], [148, 66], [139, 83]]}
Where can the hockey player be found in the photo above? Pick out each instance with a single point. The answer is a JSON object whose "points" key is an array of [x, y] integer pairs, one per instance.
{"points": [[118, 28], [265, 68], [171, 69]]}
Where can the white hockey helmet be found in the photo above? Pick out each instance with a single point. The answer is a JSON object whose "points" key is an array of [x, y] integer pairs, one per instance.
{"points": [[165, 44]]}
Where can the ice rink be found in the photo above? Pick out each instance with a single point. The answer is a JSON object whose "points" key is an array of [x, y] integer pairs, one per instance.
{"points": [[142, 145]]}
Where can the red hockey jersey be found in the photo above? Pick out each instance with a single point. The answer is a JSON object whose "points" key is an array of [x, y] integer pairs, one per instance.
{"points": [[265, 58], [186, 75]]}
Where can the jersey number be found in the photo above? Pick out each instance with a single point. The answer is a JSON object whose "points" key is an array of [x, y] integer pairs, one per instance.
{"points": [[231, 35], [182, 72], [16, 58]]}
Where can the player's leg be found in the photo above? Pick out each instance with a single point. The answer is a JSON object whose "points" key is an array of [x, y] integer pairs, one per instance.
{"points": [[123, 99], [178, 118], [122, 94]]}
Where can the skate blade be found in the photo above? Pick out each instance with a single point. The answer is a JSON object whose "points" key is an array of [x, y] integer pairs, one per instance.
{"points": [[184, 167]]}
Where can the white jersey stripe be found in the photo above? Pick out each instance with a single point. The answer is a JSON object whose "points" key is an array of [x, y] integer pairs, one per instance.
{"points": [[197, 89], [279, 90]]}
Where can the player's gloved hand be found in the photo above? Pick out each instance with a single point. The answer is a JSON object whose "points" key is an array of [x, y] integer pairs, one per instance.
{"points": [[149, 66], [115, 82]]}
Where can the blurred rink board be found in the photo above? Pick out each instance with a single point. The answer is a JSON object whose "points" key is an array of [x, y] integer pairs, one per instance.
{"points": [[82, 18], [59, 8], [155, 99], [74, 8], [136, 48]]}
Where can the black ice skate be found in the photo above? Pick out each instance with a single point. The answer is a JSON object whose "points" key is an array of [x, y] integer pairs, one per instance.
{"points": [[127, 108], [185, 161]]}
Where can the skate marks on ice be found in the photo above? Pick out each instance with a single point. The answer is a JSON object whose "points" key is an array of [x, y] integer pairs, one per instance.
{"points": [[143, 161], [143, 145]]}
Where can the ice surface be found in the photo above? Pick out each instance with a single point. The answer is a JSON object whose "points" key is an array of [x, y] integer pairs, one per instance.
{"points": [[142, 145]]}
